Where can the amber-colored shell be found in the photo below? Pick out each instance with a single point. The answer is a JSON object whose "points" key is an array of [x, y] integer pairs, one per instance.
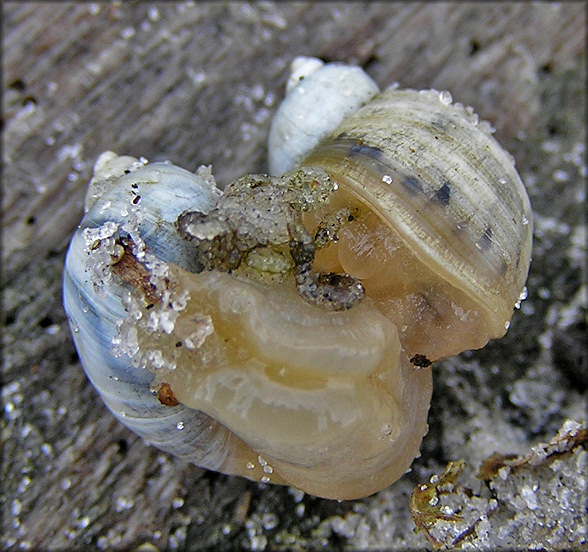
{"points": [[440, 181]]}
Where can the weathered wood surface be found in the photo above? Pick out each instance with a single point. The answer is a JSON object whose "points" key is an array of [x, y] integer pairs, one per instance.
{"points": [[197, 84]]}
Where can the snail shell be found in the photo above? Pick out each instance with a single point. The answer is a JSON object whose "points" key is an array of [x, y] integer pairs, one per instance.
{"points": [[448, 250], [282, 330]]}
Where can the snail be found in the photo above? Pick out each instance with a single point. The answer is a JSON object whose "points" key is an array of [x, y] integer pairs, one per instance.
{"points": [[283, 329]]}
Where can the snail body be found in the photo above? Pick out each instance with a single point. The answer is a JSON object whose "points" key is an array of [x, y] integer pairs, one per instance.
{"points": [[283, 329]]}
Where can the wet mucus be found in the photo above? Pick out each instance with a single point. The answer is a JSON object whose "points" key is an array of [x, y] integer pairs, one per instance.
{"points": [[256, 229]]}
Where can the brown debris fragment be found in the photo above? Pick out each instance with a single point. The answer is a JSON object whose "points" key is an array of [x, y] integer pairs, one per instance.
{"points": [[131, 271], [166, 396]]}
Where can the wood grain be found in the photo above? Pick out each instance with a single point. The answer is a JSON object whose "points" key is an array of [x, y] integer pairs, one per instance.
{"points": [[197, 83]]}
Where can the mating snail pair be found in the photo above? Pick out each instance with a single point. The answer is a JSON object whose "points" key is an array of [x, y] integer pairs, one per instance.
{"points": [[283, 329]]}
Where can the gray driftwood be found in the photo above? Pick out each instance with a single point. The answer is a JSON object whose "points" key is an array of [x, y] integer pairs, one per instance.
{"points": [[197, 84]]}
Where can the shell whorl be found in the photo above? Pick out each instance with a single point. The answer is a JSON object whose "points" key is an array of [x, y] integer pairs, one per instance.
{"points": [[316, 103], [95, 307], [445, 186]]}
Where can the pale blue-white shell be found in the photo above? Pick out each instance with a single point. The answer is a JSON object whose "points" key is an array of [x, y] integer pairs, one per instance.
{"points": [[165, 191], [323, 97]]}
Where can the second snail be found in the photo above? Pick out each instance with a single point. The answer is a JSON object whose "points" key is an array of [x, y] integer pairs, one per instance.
{"points": [[284, 329]]}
